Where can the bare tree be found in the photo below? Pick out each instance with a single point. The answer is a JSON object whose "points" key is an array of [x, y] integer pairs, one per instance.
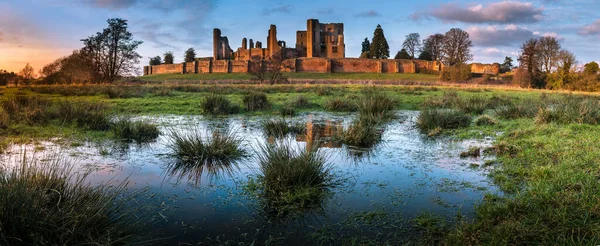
{"points": [[112, 51], [457, 47], [549, 50], [434, 44], [27, 72], [412, 44], [529, 60]]}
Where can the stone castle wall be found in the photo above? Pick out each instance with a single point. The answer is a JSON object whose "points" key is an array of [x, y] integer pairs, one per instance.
{"points": [[479, 68], [301, 65]]}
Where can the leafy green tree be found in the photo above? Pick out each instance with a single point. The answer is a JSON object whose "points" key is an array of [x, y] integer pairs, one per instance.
{"points": [[402, 54], [506, 65], [155, 61], [412, 44], [190, 55], [591, 68], [366, 46], [379, 46], [457, 47], [112, 51], [169, 57]]}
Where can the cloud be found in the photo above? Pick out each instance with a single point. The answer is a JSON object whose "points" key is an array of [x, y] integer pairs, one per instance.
{"points": [[286, 9], [368, 14], [510, 35], [327, 11], [498, 12], [112, 4], [591, 29]]}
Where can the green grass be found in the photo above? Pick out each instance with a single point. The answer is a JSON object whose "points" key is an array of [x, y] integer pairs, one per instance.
{"points": [[308, 76], [48, 203], [293, 178], [216, 105], [139, 131], [432, 119]]}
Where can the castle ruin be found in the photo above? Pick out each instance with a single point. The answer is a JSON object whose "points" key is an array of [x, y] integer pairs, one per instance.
{"points": [[318, 40]]}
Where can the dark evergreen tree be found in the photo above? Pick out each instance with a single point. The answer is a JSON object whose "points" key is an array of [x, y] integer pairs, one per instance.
{"points": [[190, 55], [403, 54], [169, 57], [379, 46], [425, 55], [366, 46], [155, 61], [506, 65]]}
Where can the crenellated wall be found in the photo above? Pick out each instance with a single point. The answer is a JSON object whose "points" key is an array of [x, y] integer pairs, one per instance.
{"points": [[301, 65]]}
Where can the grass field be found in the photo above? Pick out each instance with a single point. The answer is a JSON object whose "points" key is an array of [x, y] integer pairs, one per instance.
{"points": [[547, 159], [417, 77]]}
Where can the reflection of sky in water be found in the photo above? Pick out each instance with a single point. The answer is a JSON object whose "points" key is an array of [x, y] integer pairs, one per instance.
{"points": [[407, 173]]}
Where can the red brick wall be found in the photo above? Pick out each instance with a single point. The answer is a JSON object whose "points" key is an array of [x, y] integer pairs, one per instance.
{"points": [[220, 66], [355, 65], [312, 65]]}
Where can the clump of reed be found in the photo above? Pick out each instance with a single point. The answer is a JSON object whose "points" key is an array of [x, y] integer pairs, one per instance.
{"points": [[294, 176], [281, 128], [376, 104], [431, 119], [448, 100], [340, 105], [473, 105], [87, 115], [214, 104], [28, 109], [287, 110], [514, 110], [301, 102], [571, 110], [256, 101], [139, 131], [51, 204], [195, 150], [363, 132], [485, 120]]}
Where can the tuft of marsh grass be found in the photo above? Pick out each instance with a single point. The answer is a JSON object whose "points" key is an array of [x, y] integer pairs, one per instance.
{"points": [[571, 110], [50, 204], [256, 101], [301, 102], [214, 104], [485, 120], [218, 149], [294, 176], [515, 110], [340, 105], [431, 119], [287, 110], [473, 105], [138, 131], [448, 100], [363, 132], [376, 105], [87, 115], [280, 127]]}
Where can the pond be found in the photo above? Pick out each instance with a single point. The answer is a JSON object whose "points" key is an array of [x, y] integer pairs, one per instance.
{"points": [[379, 190]]}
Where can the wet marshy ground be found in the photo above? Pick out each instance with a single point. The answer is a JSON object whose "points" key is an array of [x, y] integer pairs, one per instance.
{"points": [[378, 192]]}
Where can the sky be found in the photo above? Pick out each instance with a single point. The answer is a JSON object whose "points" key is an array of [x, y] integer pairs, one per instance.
{"points": [[40, 31]]}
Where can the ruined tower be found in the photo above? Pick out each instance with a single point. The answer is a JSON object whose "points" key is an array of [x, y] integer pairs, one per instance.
{"points": [[313, 38], [221, 48], [272, 44]]}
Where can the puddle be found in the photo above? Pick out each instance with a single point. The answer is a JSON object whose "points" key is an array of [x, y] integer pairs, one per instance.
{"points": [[405, 175]]}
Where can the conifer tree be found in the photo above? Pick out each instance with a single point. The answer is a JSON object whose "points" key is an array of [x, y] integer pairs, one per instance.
{"points": [[366, 46], [379, 46]]}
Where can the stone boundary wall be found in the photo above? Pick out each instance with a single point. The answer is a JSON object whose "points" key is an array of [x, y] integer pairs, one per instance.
{"points": [[479, 68], [301, 65]]}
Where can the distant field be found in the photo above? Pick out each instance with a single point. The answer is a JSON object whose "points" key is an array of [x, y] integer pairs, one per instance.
{"points": [[308, 76]]}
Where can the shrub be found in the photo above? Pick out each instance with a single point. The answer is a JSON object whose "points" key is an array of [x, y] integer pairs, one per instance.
{"points": [[431, 119], [216, 105], [295, 176], [256, 101], [220, 149], [281, 128], [49, 204], [340, 105], [138, 131], [485, 120], [456, 73]]}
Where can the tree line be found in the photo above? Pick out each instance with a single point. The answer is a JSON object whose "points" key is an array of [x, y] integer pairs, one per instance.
{"points": [[452, 48]]}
